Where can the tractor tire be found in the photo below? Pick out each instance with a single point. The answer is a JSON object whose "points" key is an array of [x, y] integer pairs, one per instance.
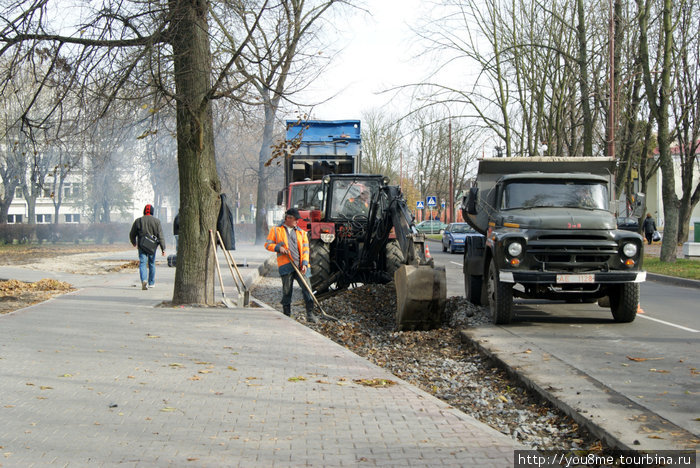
{"points": [[393, 256], [320, 256], [624, 301], [472, 288], [500, 297]]}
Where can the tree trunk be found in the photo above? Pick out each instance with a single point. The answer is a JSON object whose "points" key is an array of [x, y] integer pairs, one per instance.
{"points": [[199, 182], [660, 111], [585, 90], [264, 156]]}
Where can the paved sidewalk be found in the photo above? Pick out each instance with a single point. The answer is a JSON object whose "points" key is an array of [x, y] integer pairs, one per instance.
{"points": [[106, 376]]}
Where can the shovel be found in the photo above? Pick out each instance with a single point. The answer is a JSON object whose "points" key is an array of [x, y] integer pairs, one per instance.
{"points": [[243, 297], [227, 302], [308, 288]]}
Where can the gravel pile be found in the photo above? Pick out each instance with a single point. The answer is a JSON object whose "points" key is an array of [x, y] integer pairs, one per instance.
{"points": [[438, 362]]}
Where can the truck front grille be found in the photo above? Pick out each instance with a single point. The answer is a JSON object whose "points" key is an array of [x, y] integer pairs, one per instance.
{"points": [[569, 253]]}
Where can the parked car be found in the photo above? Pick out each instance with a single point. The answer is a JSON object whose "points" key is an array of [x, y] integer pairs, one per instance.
{"points": [[455, 235], [628, 224], [431, 226]]}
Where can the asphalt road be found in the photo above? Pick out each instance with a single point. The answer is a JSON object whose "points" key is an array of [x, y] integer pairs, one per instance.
{"points": [[654, 361]]}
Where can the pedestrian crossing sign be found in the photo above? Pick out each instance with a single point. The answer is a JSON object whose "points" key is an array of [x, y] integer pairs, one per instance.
{"points": [[432, 201], [419, 205]]}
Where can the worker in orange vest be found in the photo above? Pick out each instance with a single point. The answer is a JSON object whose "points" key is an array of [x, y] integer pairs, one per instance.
{"points": [[291, 242]]}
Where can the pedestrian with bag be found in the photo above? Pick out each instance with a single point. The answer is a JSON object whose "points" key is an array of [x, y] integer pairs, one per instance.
{"points": [[649, 227], [291, 245], [147, 234]]}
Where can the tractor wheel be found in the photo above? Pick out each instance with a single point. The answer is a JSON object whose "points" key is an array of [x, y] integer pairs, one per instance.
{"points": [[394, 257], [320, 256], [624, 301], [500, 297]]}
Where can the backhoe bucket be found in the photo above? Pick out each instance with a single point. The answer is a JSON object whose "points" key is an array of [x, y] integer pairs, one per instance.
{"points": [[421, 293]]}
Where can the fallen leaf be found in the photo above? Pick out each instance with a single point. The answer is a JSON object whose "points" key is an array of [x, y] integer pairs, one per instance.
{"points": [[194, 377], [168, 409], [375, 382], [176, 364], [46, 387], [642, 359], [503, 399], [296, 379], [204, 371], [66, 375], [654, 437]]}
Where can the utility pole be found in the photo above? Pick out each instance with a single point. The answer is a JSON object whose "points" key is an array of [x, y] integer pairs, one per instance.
{"points": [[450, 210]]}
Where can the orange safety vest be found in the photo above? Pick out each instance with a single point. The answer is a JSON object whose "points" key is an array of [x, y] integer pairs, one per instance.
{"points": [[277, 237]]}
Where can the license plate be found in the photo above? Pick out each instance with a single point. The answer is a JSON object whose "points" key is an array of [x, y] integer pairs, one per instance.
{"points": [[575, 278]]}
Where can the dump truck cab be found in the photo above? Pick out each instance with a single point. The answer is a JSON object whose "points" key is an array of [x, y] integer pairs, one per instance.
{"points": [[549, 234]]}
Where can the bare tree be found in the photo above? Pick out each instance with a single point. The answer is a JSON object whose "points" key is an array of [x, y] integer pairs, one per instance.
{"points": [[658, 92], [382, 144], [132, 50], [686, 110], [279, 60], [109, 164]]}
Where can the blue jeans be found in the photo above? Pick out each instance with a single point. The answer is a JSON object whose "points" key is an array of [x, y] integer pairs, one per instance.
{"points": [[287, 283], [147, 262]]}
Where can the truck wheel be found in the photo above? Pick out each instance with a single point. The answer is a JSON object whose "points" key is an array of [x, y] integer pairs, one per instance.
{"points": [[320, 256], [393, 256], [624, 300], [472, 288], [500, 297]]}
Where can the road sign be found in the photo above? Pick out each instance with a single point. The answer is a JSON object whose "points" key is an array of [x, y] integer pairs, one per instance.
{"points": [[443, 204], [431, 201], [420, 205]]}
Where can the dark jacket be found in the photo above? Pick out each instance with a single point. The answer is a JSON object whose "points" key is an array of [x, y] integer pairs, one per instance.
{"points": [[649, 226], [224, 224], [176, 225], [147, 224]]}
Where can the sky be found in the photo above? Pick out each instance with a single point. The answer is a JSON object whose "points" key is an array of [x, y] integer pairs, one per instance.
{"points": [[378, 54]]}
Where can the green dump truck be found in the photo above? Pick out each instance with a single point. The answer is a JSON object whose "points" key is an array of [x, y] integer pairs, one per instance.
{"points": [[548, 233]]}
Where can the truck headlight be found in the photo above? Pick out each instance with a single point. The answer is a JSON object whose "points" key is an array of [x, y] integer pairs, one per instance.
{"points": [[629, 249], [515, 249]]}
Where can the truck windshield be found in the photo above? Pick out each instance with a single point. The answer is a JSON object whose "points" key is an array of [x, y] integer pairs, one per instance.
{"points": [[351, 198], [575, 194], [307, 196]]}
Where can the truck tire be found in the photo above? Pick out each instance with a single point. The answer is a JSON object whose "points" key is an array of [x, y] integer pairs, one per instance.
{"points": [[500, 297], [320, 256], [393, 256], [472, 288], [624, 301]]}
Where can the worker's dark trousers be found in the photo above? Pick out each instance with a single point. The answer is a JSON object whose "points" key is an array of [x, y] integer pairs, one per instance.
{"points": [[287, 283]]}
